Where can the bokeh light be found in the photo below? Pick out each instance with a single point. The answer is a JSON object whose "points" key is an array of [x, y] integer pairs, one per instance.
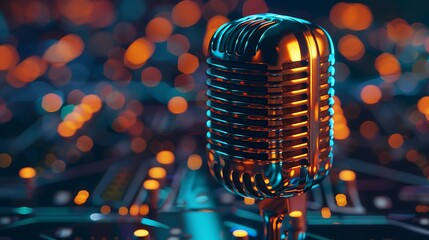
{"points": [[177, 105], [27, 172], [370, 94], [351, 47], [138, 53], [159, 29], [186, 13], [354, 16], [51, 102], [187, 63]]}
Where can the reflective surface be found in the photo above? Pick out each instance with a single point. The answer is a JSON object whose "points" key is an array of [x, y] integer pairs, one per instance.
{"points": [[270, 101]]}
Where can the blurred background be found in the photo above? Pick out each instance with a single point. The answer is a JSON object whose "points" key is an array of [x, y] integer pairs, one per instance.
{"points": [[102, 117]]}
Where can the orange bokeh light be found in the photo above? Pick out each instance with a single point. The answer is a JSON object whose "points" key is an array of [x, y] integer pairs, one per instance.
{"points": [[369, 130], [138, 145], [347, 175], [165, 157], [354, 16], [157, 172], [186, 13], [65, 50], [9, 57], [66, 129], [177, 105], [84, 143], [341, 131], [93, 102], [395, 140], [51, 102], [151, 76], [159, 29], [351, 47], [195, 162], [151, 184], [388, 67], [187, 63], [138, 53], [27, 172], [370, 94], [423, 105], [398, 30]]}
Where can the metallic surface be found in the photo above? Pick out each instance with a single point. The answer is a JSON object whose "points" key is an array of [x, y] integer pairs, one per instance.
{"points": [[270, 105]]}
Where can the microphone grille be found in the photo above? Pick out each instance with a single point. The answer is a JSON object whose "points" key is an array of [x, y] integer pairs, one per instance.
{"points": [[270, 105]]}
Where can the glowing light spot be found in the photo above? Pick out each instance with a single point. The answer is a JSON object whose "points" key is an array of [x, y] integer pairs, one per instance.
{"points": [[325, 212], [5, 160], [151, 184], [354, 16], [253, 7], [423, 105], [195, 162], [341, 131], [65, 50], [123, 211], [178, 44], [77, 11], [144, 210], [351, 47], [151, 76], [9, 57], [81, 197], [134, 210], [177, 105], [84, 143], [138, 53], [388, 67], [105, 209], [398, 30], [84, 111], [159, 29], [187, 63], [395, 140], [412, 155], [341, 199], [51, 102], [66, 129], [249, 201], [27, 172], [347, 175], [186, 13], [370, 94], [141, 233], [157, 173], [295, 214], [165, 157], [239, 233], [138, 145], [93, 101], [369, 130]]}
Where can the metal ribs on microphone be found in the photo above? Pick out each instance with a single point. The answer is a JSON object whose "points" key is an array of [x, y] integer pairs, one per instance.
{"points": [[270, 105]]}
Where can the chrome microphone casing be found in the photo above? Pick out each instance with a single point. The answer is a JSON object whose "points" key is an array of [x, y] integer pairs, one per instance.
{"points": [[270, 97]]}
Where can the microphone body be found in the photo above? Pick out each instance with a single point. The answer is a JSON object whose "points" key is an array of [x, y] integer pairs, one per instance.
{"points": [[270, 98]]}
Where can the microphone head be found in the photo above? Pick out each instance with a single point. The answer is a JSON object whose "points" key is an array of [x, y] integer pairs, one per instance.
{"points": [[270, 97]]}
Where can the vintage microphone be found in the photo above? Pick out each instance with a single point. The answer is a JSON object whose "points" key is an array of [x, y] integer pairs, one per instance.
{"points": [[270, 97]]}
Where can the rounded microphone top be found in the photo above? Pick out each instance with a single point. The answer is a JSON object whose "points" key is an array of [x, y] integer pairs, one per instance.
{"points": [[270, 105]]}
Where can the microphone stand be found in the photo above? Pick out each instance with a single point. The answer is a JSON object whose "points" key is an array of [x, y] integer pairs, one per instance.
{"points": [[284, 218]]}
